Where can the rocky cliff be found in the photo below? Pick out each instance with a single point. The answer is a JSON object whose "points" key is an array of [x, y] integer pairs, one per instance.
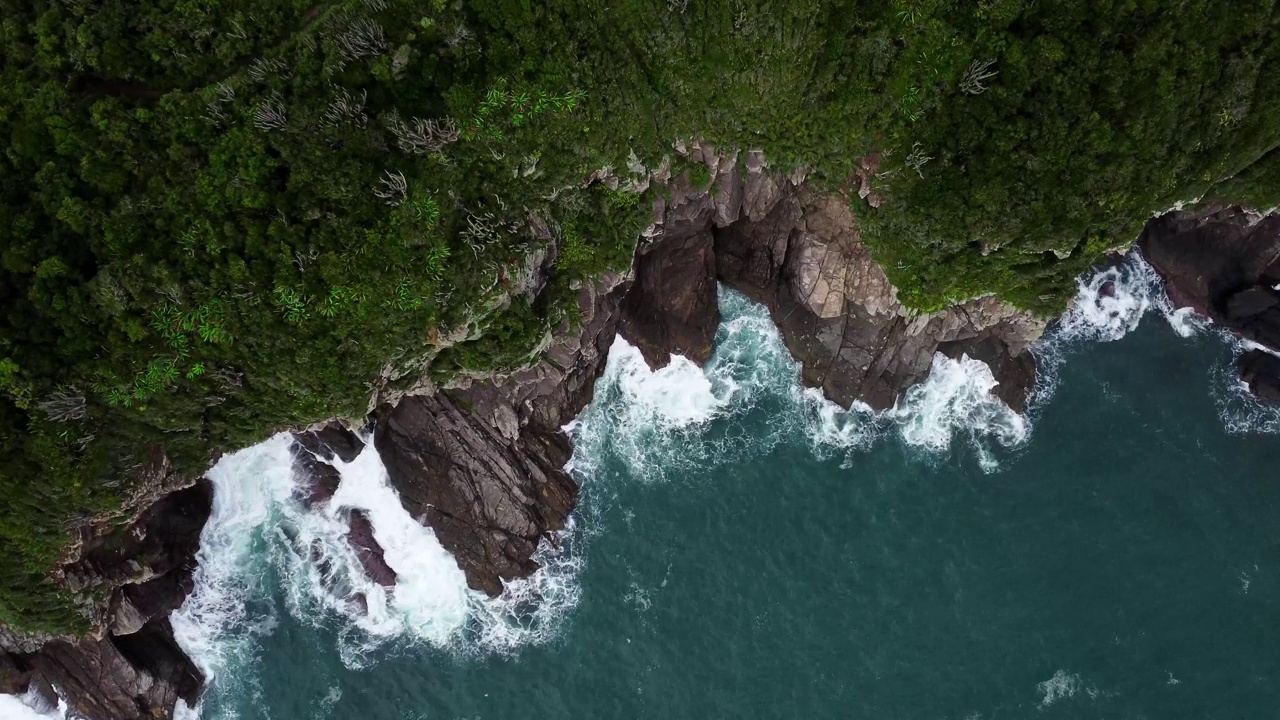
{"points": [[1224, 263], [480, 460], [128, 666], [799, 252]]}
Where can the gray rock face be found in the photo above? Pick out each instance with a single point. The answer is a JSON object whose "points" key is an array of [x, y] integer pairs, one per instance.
{"points": [[1224, 263]]}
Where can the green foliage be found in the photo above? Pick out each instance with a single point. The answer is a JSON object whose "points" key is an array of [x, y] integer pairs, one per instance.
{"points": [[225, 218]]}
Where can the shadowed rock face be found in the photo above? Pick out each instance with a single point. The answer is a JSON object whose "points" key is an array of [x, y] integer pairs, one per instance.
{"points": [[671, 308], [333, 440], [1224, 262]]}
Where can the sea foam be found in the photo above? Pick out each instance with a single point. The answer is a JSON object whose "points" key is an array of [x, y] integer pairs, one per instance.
{"points": [[30, 706], [1110, 303], [262, 543]]}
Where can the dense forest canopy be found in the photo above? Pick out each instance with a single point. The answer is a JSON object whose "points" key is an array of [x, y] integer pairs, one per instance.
{"points": [[225, 217]]}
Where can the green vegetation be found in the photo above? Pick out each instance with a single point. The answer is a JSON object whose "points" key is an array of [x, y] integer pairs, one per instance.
{"points": [[222, 218]]}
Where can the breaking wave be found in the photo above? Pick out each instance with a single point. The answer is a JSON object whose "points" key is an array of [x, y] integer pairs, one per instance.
{"points": [[1110, 303], [30, 706], [264, 551], [661, 424]]}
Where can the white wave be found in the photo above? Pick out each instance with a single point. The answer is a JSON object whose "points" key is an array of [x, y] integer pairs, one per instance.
{"points": [[1111, 302], [662, 424], [1241, 412], [956, 398], [674, 396], [261, 535], [1064, 686], [30, 706]]}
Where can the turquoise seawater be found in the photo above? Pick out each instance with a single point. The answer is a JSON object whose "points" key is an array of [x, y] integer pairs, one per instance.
{"points": [[745, 551]]}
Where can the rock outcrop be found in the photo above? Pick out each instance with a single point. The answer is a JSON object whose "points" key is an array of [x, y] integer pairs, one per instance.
{"points": [[800, 253], [481, 460], [129, 665], [1224, 263], [483, 465], [368, 550]]}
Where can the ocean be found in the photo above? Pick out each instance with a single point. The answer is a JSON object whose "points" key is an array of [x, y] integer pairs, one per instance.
{"points": [[744, 549]]}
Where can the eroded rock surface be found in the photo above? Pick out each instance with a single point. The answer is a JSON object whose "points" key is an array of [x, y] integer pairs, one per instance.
{"points": [[129, 666]]}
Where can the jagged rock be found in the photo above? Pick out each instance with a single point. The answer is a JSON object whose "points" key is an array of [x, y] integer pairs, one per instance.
{"points": [[800, 253], [121, 678], [368, 550], [131, 667], [1261, 370], [334, 439]]}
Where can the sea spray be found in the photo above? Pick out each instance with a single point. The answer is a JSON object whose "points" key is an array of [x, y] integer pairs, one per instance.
{"points": [[662, 424]]}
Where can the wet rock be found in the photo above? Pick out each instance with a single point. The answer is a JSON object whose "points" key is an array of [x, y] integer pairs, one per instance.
{"points": [[316, 480], [368, 550], [1261, 371], [332, 440]]}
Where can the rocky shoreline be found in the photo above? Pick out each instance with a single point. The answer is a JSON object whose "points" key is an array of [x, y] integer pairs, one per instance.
{"points": [[481, 461]]}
